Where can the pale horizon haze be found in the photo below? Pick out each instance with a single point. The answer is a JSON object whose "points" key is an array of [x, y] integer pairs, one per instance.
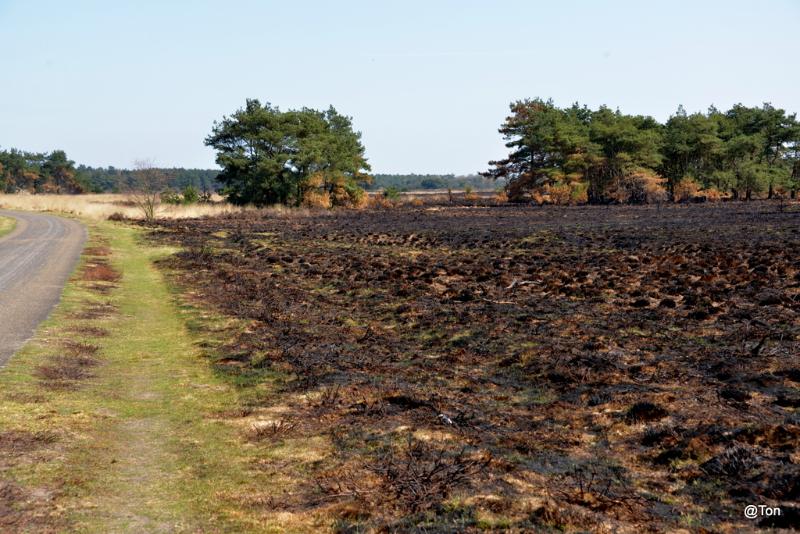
{"points": [[427, 83]]}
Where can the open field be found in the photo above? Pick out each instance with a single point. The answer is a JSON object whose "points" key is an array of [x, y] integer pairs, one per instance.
{"points": [[99, 207], [102, 206], [597, 368]]}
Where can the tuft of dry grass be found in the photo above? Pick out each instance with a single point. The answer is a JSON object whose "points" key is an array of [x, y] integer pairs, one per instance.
{"points": [[63, 372]]}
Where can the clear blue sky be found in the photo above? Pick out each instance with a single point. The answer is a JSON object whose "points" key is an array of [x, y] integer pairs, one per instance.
{"points": [[427, 82]]}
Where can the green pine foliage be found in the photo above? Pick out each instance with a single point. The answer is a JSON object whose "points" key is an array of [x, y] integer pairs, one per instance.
{"points": [[429, 182], [632, 158], [53, 172], [114, 180], [39, 173], [269, 156]]}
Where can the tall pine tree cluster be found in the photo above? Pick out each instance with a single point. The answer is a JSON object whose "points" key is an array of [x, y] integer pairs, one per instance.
{"points": [[576, 154]]}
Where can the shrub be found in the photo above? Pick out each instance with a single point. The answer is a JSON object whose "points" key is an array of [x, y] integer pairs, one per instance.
{"points": [[712, 194], [360, 200], [342, 193], [638, 187], [314, 198], [579, 193], [469, 193], [781, 192], [391, 193], [685, 190], [171, 197], [653, 188], [190, 195], [380, 201], [559, 194]]}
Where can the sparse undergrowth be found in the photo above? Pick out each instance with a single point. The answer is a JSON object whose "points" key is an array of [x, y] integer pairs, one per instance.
{"points": [[466, 369]]}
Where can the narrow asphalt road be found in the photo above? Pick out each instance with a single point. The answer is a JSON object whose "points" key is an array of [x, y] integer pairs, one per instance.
{"points": [[36, 260]]}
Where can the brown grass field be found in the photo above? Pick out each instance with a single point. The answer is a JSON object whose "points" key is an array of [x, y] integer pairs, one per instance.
{"points": [[103, 206], [455, 369]]}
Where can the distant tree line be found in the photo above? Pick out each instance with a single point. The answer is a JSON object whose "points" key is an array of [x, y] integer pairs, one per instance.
{"points": [[55, 173], [575, 154], [417, 182], [113, 180]]}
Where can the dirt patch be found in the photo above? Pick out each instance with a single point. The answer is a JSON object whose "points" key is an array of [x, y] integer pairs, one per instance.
{"points": [[98, 270], [20, 441], [25, 510], [97, 250]]}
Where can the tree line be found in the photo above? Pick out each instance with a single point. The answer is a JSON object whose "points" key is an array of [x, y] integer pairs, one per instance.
{"points": [[418, 182], [577, 155], [114, 180], [39, 172], [55, 173]]}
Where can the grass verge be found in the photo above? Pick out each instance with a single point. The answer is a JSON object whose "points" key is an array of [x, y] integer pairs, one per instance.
{"points": [[7, 225], [109, 417]]}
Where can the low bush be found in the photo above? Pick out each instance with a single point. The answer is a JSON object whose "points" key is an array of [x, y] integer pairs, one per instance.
{"points": [[685, 190]]}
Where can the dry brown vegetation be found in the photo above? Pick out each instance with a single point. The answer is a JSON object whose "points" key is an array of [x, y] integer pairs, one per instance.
{"points": [[104, 206], [74, 361], [593, 368]]}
